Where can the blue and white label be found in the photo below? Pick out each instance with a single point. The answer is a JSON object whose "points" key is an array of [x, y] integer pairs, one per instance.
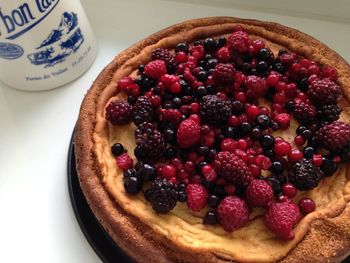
{"points": [[25, 17], [10, 51], [61, 42]]}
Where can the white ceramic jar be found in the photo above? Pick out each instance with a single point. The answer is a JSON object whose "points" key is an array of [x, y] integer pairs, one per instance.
{"points": [[44, 43]]}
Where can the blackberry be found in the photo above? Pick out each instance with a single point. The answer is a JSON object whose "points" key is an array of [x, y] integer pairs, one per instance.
{"points": [[324, 91], [150, 140], [334, 136], [118, 112], [304, 112], [214, 110], [166, 56], [304, 175], [162, 195], [143, 111], [328, 113]]}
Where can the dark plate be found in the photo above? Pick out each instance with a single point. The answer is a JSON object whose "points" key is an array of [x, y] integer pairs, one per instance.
{"points": [[95, 234], [97, 237]]}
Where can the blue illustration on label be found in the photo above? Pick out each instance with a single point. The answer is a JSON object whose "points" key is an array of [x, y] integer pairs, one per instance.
{"points": [[10, 51], [60, 43]]}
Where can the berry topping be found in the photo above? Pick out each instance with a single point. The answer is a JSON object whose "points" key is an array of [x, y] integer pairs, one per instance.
{"points": [[305, 175], [223, 74], [289, 190], [188, 133], [132, 184], [162, 195], [256, 85], [166, 56], [328, 113], [155, 69], [281, 218], [210, 218], [334, 136], [124, 161], [150, 140], [232, 168], [259, 193], [307, 205], [238, 41], [215, 110], [196, 197], [143, 111], [303, 111], [232, 213], [324, 91], [117, 149], [118, 112]]}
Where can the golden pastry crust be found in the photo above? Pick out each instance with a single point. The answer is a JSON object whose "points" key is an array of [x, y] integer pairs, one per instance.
{"points": [[327, 234]]}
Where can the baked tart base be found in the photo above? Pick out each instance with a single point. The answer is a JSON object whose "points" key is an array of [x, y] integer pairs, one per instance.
{"points": [[323, 235]]}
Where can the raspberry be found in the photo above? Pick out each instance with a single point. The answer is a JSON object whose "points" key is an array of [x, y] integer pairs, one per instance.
{"points": [[196, 197], [232, 168], [232, 213], [124, 161], [143, 111], [324, 91], [328, 113], [150, 140], [118, 112], [303, 111], [239, 41], [283, 120], [155, 69], [223, 55], [223, 74], [304, 175], [256, 85], [329, 72], [166, 56], [162, 195], [188, 133], [214, 110], [280, 218], [259, 193], [334, 136]]}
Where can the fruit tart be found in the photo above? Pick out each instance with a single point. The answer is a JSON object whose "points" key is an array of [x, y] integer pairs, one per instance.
{"points": [[220, 140]]}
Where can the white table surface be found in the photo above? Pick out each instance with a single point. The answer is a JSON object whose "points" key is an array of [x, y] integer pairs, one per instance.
{"points": [[37, 223]]}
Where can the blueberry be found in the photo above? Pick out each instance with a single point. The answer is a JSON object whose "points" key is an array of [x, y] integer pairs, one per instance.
{"points": [[280, 177], [237, 107], [202, 76], [212, 63], [328, 167], [181, 47], [213, 200], [147, 172], [129, 172], [203, 150], [245, 127], [256, 133], [209, 44], [117, 149], [263, 121], [309, 152], [262, 67], [132, 99], [211, 155], [201, 92], [228, 132], [221, 41], [170, 153], [182, 196], [132, 185], [277, 167], [170, 135], [300, 129], [267, 141], [275, 184], [139, 153], [210, 218], [141, 68], [303, 84], [290, 107], [306, 134], [263, 54]]}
